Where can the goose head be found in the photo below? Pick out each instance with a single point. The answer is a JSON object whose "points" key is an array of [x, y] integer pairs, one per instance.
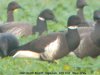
{"points": [[81, 3], [47, 14], [13, 5], [96, 15], [74, 21]]}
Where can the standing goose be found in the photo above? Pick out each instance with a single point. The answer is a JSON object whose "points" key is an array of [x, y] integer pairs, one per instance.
{"points": [[8, 42], [85, 26], [90, 44], [11, 7], [24, 29], [52, 46], [80, 4]]}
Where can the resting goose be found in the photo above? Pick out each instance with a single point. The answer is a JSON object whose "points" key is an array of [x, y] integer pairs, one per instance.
{"points": [[8, 42], [52, 46], [21, 29]]}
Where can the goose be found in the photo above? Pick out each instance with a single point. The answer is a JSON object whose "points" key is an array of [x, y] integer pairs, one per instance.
{"points": [[80, 4], [90, 44], [20, 29], [52, 46], [85, 26], [11, 7], [8, 42]]}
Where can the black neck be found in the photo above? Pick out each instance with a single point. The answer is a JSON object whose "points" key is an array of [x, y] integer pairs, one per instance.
{"points": [[41, 26], [73, 39], [95, 35], [10, 16]]}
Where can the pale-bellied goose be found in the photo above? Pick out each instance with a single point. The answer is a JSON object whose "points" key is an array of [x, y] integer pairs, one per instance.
{"points": [[25, 29], [80, 4], [11, 7], [85, 26], [90, 44], [52, 46], [8, 42]]}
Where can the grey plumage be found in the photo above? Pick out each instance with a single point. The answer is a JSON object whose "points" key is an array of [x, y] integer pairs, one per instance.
{"points": [[90, 43], [21, 29]]}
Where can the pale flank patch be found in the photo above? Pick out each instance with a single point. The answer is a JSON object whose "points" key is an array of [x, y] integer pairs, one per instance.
{"points": [[52, 48], [72, 54], [73, 27], [27, 54], [41, 18], [16, 31]]}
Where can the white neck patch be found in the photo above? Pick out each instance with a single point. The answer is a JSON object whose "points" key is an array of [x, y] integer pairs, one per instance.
{"points": [[77, 9], [41, 18], [72, 27]]}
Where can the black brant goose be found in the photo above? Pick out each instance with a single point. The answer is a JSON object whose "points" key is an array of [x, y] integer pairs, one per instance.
{"points": [[90, 44], [8, 42], [52, 46], [24, 29]]}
